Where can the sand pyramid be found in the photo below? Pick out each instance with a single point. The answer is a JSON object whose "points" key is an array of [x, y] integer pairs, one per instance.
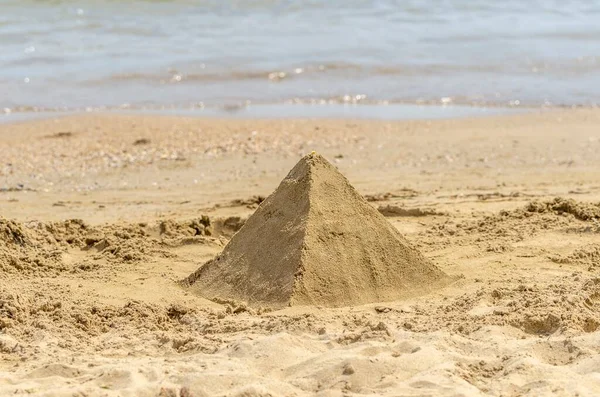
{"points": [[316, 241]]}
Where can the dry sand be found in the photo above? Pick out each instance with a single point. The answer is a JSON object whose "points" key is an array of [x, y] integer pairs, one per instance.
{"points": [[103, 215]]}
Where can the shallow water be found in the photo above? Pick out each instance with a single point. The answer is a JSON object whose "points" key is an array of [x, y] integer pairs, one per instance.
{"points": [[394, 111], [73, 55]]}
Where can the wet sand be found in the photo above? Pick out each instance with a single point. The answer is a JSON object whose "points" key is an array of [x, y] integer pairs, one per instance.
{"points": [[103, 215]]}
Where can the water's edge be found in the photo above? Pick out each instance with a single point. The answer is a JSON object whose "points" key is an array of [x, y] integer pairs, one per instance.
{"points": [[296, 111]]}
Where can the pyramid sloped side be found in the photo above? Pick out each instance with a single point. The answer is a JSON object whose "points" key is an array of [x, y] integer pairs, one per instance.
{"points": [[259, 263], [352, 254]]}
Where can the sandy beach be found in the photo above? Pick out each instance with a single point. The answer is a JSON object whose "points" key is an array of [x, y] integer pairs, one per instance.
{"points": [[102, 216]]}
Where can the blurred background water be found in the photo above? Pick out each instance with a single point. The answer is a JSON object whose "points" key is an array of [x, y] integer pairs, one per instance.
{"points": [[184, 54]]}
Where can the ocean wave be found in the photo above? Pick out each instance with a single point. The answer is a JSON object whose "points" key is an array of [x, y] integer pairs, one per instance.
{"points": [[570, 67]]}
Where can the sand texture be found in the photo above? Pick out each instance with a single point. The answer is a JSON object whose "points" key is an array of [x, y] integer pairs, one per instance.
{"points": [[316, 241], [102, 216]]}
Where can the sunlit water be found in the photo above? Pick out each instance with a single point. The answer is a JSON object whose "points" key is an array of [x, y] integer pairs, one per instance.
{"points": [[194, 54]]}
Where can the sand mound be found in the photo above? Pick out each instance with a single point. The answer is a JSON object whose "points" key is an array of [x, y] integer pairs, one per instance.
{"points": [[44, 247], [316, 241], [397, 211], [588, 255], [560, 206], [12, 232], [498, 232]]}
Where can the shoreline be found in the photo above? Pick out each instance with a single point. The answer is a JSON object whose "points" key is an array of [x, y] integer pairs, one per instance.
{"points": [[265, 111]]}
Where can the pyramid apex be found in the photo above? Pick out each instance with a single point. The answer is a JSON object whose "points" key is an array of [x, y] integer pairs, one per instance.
{"points": [[308, 164], [313, 155]]}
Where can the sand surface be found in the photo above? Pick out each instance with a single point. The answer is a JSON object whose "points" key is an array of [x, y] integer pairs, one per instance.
{"points": [[102, 215]]}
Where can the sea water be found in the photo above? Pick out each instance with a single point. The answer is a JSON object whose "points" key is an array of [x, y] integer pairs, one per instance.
{"points": [[197, 55]]}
